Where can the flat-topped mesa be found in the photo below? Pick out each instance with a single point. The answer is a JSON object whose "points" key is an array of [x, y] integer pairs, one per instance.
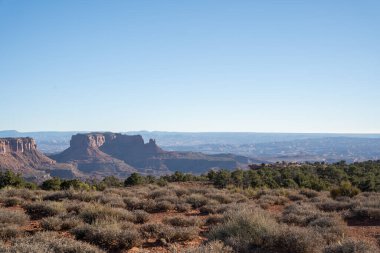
{"points": [[17, 145], [112, 141], [87, 140]]}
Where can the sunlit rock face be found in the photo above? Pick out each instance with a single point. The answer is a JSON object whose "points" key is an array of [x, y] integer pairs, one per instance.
{"points": [[17, 145]]}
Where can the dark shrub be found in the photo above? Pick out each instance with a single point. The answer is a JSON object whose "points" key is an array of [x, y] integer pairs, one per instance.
{"points": [[350, 246], [38, 210], [180, 221], [12, 201], [134, 179], [51, 184], [197, 200], [141, 216], [9, 231], [345, 189]]}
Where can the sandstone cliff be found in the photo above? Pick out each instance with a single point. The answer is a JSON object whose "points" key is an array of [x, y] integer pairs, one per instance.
{"points": [[101, 154], [22, 156]]}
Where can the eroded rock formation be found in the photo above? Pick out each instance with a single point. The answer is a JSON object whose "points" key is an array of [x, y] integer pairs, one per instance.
{"points": [[117, 154]]}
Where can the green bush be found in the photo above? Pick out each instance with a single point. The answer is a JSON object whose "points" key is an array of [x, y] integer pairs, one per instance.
{"points": [[134, 179], [51, 184], [9, 178], [345, 189]]}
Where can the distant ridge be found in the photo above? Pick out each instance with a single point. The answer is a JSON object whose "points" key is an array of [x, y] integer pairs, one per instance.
{"points": [[101, 154]]}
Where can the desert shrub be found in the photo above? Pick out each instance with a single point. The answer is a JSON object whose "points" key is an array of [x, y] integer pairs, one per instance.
{"points": [[141, 216], [49, 242], [183, 207], [160, 193], [301, 214], [330, 228], [133, 203], [85, 196], [58, 195], [12, 201], [244, 230], [248, 230], [180, 192], [99, 213], [289, 239], [269, 200], [9, 231], [197, 200], [211, 247], [150, 230], [181, 221], [12, 217], [162, 206], [51, 223], [38, 210], [74, 207], [350, 246], [296, 197], [112, 200], [309, 193], [333, 206], [365, 213], [329, 225], [345, 189], [22, 193], [168, 234], [214, 219], [208, 209], [108, 237], [222, 198]]}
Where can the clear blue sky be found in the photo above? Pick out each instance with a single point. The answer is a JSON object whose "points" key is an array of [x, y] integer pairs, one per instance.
{"points": [[199, 65]]}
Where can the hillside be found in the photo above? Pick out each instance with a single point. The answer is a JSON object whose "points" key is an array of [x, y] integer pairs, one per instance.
{"points": [[22, 156]]}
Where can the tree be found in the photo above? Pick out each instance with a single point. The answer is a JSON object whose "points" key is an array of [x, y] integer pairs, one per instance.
{"points": [[9, 178], [222, 178], [134, 179], [52, 184], [75, 184]]}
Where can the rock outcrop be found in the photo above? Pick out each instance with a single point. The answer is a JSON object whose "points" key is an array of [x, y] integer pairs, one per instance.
{"points": [[17, 145], [103, 154], [22, 156]]}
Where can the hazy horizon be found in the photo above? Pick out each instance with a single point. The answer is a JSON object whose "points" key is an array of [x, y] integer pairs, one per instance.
{"points": [[196, 66]]}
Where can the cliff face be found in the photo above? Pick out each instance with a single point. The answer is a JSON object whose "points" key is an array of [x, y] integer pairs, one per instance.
{"points": [[102, 154], [17, 145], [22, 156]]}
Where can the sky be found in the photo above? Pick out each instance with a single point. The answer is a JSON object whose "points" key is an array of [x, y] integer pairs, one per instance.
{"points": [[197, 66]]}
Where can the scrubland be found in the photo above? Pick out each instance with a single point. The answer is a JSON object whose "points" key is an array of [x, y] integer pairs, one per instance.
{"points": [[191, 217]]}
